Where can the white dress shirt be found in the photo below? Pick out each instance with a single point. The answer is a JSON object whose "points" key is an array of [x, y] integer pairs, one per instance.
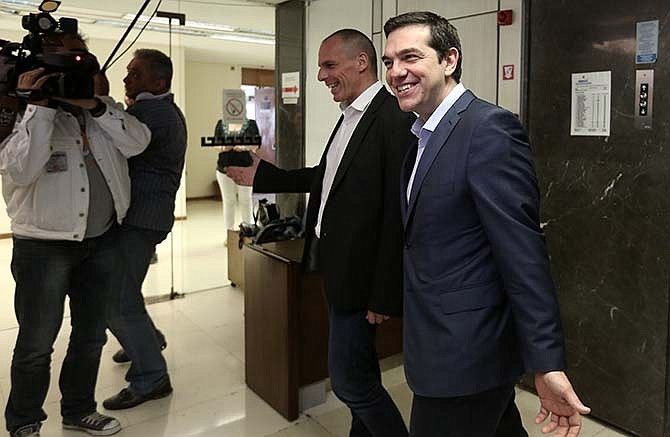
{"points": [[423, 130], [351, 114]]}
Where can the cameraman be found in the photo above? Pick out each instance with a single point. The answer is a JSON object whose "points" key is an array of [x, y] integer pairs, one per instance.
{"points": [[66, 185]]}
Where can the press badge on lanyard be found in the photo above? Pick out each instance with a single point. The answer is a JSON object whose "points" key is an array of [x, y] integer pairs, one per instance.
{"points": [[57, 162]]}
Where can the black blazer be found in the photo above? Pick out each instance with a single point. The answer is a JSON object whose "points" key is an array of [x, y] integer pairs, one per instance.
{"points": [[359, 252]]}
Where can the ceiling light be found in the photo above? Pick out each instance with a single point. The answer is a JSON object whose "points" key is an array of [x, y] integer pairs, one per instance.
{"points": [[243, 38], [210, 26], [193, 24], [31, 6], [20, 3], [157, 24]]}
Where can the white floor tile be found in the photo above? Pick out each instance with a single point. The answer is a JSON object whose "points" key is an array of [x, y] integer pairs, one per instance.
{"points": [[240, 413], [230, 337], [305, 428]]}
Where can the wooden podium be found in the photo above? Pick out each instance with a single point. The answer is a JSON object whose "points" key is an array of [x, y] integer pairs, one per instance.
{"points": [[286, 325]]}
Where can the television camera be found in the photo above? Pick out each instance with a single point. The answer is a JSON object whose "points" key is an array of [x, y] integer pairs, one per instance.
{"points": [[76, 68]]}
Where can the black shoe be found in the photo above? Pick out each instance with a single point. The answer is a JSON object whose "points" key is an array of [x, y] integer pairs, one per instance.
{"points": [[94, 424], [121, 356], [31, 430], [127, 398]]}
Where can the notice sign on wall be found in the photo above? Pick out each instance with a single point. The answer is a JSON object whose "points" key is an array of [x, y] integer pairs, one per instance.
{"points": [[591, 103], [290, 87], [646, 47], [234, 106]]}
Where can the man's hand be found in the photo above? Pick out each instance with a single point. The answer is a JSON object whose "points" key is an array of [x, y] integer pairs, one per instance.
{"points": [[34, 80], [244, 175], [376, 319], [100, 84], [559, 402]]}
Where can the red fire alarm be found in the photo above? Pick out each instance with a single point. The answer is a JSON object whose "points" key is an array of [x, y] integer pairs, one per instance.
{"points": [[508, 72], [505, 17]]}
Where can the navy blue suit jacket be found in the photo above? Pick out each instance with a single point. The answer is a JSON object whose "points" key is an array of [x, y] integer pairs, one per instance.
{"points": [[480, 305]]}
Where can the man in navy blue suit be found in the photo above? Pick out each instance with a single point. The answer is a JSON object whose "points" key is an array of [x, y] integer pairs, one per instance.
{"points": [[480, 307]]}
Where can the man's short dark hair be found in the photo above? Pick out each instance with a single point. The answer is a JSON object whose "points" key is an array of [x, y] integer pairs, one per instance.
{"points": [[356, 42], [160, 64], [443, 35], [56, 39]]}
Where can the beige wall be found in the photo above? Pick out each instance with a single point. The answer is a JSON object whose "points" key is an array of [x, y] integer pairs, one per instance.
{"points": [[205, 84]]}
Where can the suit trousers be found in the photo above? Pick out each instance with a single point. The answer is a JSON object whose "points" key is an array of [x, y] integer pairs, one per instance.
{"points": [[492, 413], [355, 376]]}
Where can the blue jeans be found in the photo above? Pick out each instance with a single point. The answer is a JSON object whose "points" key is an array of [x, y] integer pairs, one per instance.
{"points": [[127, 315], [45, 272], [356, 379]]}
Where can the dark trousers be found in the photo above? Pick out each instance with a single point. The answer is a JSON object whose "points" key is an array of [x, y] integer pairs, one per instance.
{"points": [[45, 272], [356, 379], [127, 315], [491, 413]]}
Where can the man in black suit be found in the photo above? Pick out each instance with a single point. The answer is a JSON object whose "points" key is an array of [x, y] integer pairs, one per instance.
{"points": [[353, 224]]}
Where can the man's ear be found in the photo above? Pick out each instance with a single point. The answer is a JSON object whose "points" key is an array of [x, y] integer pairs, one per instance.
{"points": [[159, 86], [363, 61], [451, 62]]}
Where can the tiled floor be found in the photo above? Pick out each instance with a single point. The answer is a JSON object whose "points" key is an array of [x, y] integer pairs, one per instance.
{"points": [[205, 355]]}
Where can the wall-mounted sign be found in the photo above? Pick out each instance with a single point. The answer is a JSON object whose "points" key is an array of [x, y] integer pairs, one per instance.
{"points": [[646, 49], [508, 72], [234, 106], [591, 103], [290, 87]]}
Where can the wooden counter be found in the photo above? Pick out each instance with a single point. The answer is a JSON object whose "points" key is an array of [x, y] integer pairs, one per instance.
{"points": [[286, 325]]}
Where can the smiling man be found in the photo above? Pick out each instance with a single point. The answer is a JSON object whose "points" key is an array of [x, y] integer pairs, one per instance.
{"points": [[353, 224], [480, 306]]}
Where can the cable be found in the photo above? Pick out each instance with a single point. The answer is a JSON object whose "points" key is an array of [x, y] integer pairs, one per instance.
{"points": [[136, 37]]}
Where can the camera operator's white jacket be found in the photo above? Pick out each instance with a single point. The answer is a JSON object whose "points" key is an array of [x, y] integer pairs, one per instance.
{"points": [[44, 179]]}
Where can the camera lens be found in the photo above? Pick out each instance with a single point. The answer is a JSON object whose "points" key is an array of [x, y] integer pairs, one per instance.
{"points": [[44, 24]]}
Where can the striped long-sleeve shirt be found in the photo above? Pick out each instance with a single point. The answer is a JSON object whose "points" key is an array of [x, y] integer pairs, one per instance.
{"points": [[155, 174]]}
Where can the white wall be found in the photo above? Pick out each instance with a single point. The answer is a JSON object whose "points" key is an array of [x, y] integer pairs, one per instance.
{"points": [[476, 21], [205, 84], [321, 112], [448, 9], [509, 91]]}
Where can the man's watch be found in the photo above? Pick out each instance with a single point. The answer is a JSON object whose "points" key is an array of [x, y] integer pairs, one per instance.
{"points": [[99, 109], [30, 95]]}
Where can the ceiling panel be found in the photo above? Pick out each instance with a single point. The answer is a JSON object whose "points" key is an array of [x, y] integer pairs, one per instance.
{"points": [[249, 15]]}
